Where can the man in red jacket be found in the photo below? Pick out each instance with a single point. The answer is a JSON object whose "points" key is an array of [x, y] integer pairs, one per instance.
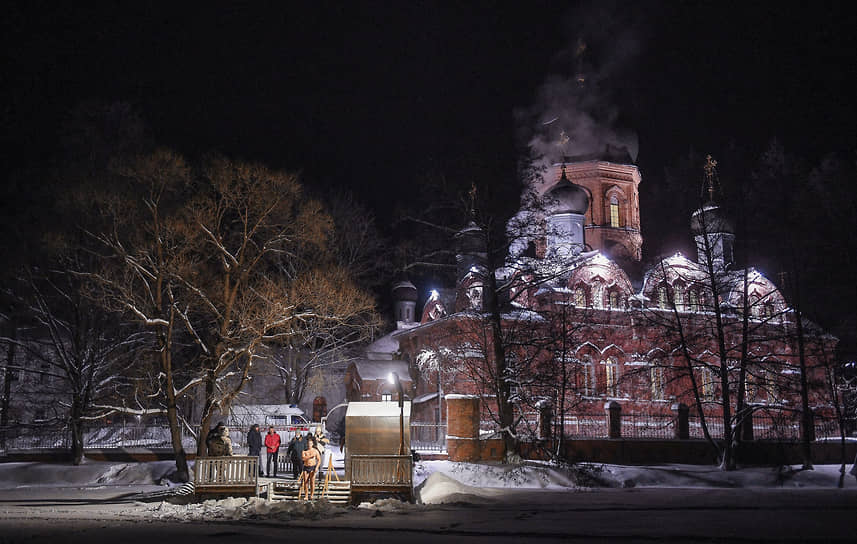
{"points": [[272, 445]]}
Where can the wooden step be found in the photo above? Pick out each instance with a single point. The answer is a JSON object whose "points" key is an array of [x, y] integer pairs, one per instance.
{"points": [[337, 492]]}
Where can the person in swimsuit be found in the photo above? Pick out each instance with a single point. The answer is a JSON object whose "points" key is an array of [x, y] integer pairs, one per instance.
{"points": [[311, 461]]}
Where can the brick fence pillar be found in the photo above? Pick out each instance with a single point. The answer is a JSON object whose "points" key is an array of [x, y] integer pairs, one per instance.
{"points": [[747, 427], [614, 419], [681, 431], [808, 420], [545, 419], [462, 420]]}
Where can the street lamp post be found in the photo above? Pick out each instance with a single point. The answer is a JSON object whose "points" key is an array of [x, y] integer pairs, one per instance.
{"points": [[394, 379]]}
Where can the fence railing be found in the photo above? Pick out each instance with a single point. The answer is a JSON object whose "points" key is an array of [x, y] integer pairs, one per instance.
{"points": [[381, 471], [585, 426], [648, 426], [714, 425], [767, 425], [428, 436]]}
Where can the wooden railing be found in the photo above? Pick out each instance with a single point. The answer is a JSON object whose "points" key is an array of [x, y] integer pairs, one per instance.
{"points": [[381, 471], [238, 473]]}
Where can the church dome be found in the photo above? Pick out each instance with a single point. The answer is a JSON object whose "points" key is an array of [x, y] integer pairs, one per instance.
{"points": [[714, 220], [566, 197], [404, 290]]}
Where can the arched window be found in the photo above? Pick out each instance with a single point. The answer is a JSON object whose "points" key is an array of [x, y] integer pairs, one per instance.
{"points": [[755, 305], [614, 300], [750, 386], [579, 296], [611, 369], [587, 381], [707, 383], [678, 295], [694, 300], [598, 294], [614, 212], [656, 377], [663, 297], [319, 408]]}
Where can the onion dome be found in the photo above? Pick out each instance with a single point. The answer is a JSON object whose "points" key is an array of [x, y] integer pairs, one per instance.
{"points": [[710, 219], [404, 290], [566, 197]]}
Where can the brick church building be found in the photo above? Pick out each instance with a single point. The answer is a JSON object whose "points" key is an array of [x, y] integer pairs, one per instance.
{"points": [[585, 325]]}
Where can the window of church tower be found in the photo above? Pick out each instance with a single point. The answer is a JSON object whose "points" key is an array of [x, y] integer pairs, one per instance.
{"points": [[614, 212]]}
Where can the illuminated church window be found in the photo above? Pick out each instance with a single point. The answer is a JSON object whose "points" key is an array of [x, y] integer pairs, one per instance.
{"points": [[656, 375], [663, 298], [614, 212], [579, 297], [694, 300], [611, 367]]}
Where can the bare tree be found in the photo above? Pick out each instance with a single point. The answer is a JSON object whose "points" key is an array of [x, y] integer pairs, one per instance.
{"points": [[143, 255], [82, 357], [260, 276]]}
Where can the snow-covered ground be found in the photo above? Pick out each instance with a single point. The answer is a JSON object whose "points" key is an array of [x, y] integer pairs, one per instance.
{"points": [[435, 481], [457, 500], [89, 474]]}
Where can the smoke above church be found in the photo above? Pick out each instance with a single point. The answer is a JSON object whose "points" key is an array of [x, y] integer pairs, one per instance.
{"points": [[575, 115]]}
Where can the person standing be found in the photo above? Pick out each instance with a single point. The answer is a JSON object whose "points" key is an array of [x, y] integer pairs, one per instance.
{"points": [[272, 446], [294, 455], [321, 443], [254, 444], [311, 461]]}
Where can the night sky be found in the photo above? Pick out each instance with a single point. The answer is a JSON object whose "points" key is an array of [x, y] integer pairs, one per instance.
{"points": [[370, 95]]}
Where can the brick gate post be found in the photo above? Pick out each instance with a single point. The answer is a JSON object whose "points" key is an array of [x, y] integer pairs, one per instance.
{"points": [[614, 419], [682, 425]]}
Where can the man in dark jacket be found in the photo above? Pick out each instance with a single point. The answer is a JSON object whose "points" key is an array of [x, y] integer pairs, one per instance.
{"points": [[254, 445], [272, 445], [297, 445]]}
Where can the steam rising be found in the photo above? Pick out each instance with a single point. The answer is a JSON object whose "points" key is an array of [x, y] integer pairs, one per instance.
{"points": [[575, 115]]}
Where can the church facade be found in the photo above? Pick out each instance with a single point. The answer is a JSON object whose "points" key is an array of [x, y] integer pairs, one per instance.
{"points": [[580, 329]]}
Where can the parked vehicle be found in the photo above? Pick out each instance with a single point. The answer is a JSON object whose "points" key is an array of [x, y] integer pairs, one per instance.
{"points": [[286, 419]]}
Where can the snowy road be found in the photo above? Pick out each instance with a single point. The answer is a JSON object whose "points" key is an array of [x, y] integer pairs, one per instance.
{"points": [[625, 515]]}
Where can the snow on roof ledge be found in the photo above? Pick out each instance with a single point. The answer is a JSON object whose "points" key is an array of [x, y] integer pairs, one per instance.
{"points": [[377, 409], [456, 396], [425, 398]]}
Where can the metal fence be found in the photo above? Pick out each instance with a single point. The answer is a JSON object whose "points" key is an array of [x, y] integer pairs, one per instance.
{"points": [[585, 426], [714, 425], [428, 436], [102, 437], [648, 426]]}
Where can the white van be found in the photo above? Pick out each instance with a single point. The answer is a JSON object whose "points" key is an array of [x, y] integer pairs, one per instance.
{"points": [[286, 419]]}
